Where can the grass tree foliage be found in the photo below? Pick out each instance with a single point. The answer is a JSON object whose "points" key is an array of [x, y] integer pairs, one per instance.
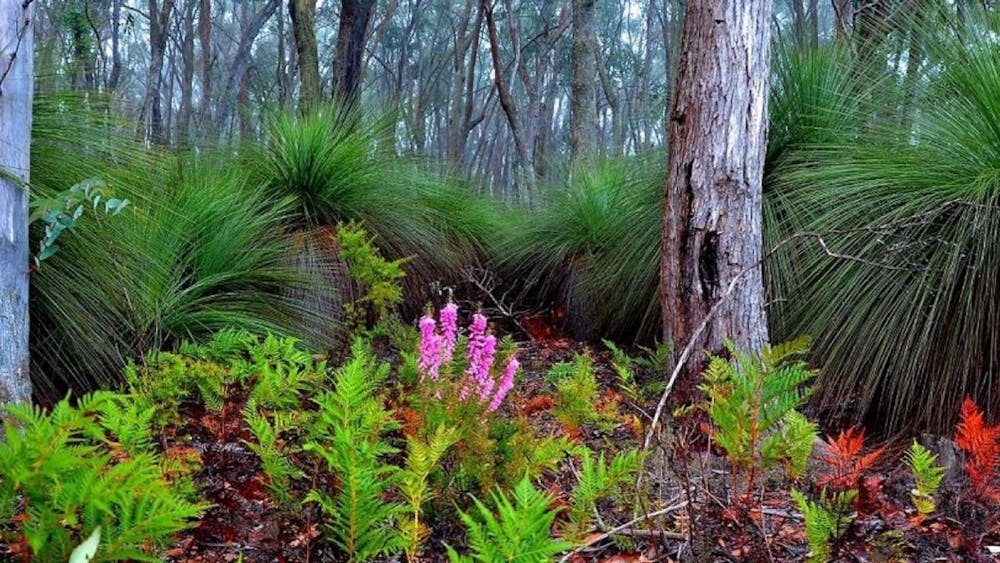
{"points": [[902, 302], [201, 247]]}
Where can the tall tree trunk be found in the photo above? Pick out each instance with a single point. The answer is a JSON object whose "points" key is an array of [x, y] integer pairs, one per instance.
{"points": [[187, 76], [303, 15], [582, 99], [712, 215], [355, 17], [152, 119], [205, 38], [241, 60], [116, 56], [525, 150], [17, 20]]}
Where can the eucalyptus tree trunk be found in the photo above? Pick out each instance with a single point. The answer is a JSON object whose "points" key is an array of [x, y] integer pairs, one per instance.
{"points": [[303, 15], [16, 46], [205, 39], [152, 117], [241, 61], [712, 239], [582, 98], [355, 17]]}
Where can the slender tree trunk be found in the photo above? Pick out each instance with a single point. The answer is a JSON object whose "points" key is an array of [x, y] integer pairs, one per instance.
{"points": [[712, 214], [116, 56], [241, 60], [582, 99], [17, 20], [152, 119], [205, 38], [187, 77], [355, 17], [525, 151], [303, 15]]}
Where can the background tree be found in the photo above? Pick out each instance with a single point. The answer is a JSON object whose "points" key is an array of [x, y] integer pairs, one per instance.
{"points": [[712, 228], [16, 60]]}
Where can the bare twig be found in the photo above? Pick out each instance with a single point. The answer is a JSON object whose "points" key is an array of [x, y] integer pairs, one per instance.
{"points": [[626, 529], [485, 281]]}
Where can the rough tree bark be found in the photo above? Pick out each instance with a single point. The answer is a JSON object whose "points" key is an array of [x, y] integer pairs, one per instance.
{"points": [[712, 214], [355, 17], [205, 39], [16, 88], [152, 118], [303, 15], [582, 99]]}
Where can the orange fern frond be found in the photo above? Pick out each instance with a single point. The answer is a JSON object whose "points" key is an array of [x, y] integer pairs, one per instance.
{"points": [[845, 464], [981, 443]]}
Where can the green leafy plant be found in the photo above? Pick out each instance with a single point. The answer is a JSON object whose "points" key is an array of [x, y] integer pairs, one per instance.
{"points": [[422, 458], [598, 479], [349, 435], [751, 403], [826, 520], [518, 532], [577, 393], [61, 479], [379, 278], [275, 458], [62, 212], [927, 477]]}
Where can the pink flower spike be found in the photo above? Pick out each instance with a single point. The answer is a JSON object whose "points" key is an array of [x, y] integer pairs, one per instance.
{"points": [[430, 348], [506, 384], [484, 364], [449, 330]]}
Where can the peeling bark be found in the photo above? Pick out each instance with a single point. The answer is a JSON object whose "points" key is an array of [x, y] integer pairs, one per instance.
{"points": [[712, 229]]}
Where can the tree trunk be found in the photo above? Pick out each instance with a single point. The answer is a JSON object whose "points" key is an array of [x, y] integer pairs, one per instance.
{"points": [[582, 99], [16, 88], [303, 14], [152, 120], [205, 38], [355, 17], [116, 56], [187, 77], [241, 61], [712, 215]]}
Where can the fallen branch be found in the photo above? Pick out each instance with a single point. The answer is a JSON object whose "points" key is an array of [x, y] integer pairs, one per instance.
{"points": [[626, 529]]}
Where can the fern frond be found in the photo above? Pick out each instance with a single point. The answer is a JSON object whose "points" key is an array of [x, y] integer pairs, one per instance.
{"points": [[927, 476]]}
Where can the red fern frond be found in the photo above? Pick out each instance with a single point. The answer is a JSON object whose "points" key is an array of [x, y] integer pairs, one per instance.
{"points": [[845, 464], [981, 443]]}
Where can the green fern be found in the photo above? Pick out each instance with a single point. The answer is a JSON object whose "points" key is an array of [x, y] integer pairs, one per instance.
{"points": [[598, 479], [275, 460], [517, 533], [422, 458], [826, 521], [349, 436], [750, 399], [927, 475], [60, 468]]}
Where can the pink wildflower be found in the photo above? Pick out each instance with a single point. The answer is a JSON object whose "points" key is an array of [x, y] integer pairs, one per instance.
{"points": [[430, 348], [506, 384], [483, 366], [449, 330]]}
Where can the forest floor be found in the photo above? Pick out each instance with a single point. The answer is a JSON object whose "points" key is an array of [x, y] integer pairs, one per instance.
{"points": [[703, 516]]}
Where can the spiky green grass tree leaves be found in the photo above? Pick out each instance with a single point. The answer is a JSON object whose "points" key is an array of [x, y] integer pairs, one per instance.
{"points": [[201, 248], [903, 300], [594, 248], [339, 166]]}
